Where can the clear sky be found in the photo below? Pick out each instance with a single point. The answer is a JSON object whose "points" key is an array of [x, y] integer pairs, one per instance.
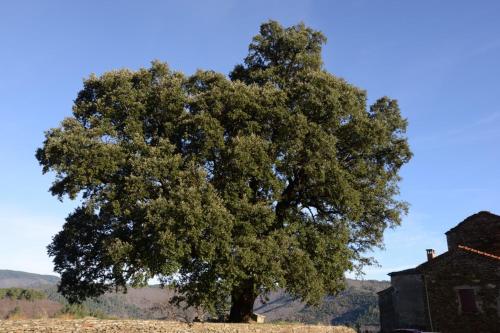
{"points": [[440, 59]]}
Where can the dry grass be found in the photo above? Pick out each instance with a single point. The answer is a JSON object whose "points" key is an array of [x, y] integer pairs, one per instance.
{"points": [[28, 309]]}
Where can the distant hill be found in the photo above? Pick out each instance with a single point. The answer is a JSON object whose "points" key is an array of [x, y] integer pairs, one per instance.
{"points": [[357, 304], [18, 279]]}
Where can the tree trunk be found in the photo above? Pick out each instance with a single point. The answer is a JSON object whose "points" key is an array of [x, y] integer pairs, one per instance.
{"points": [[242, 300]]}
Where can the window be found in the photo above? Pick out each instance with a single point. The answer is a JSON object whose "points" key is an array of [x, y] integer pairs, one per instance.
{"points": [[467, 298]]}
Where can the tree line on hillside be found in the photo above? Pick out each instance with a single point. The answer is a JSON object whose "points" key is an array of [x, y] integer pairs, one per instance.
{"points": [[357, 305], [22, 294]]}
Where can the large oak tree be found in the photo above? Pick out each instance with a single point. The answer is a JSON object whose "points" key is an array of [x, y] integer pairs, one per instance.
{"points": [[279, 176]]}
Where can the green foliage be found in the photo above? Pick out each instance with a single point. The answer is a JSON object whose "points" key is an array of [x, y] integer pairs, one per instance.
{"points": [[279, 177], [356, 304], [22, 294], [78, 311], [350, 307], [105, 306]]}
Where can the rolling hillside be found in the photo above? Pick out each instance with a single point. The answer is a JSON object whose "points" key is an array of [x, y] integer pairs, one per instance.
{"points": [[18, 279], [356, 304]]}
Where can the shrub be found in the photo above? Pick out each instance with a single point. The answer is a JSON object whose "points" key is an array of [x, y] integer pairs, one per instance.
{"points": [[78, 311], [22, 294]]}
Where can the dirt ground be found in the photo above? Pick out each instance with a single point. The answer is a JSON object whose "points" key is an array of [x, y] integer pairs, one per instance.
{"points": [[136, 326]]}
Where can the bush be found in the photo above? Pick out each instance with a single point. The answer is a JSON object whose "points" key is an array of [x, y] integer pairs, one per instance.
{"points": [[78, 311], [22, 294]]}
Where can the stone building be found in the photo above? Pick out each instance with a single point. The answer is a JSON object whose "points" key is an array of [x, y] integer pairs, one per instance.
{"points": [[457, 291]]}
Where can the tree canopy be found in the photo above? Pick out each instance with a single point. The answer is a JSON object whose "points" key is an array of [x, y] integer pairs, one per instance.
{"points": [[278, 176]]}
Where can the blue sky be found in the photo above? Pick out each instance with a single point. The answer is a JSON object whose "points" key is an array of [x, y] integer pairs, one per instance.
{"points": [[440, 59]]}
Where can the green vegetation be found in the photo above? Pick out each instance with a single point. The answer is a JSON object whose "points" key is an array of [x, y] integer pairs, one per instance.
{"points": [[78, 311], [110, 305], [22, 294], [351, 306], [356, 304], [280, 176]]}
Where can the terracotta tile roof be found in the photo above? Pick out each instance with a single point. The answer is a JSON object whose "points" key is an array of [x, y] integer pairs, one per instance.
{"points": [[466, 248]]}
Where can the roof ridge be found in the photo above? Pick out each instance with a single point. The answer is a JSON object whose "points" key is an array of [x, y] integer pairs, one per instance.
{"points": [[472, 217], [486, 254]]}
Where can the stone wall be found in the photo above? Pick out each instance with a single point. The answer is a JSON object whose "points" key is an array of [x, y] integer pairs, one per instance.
{"points": [[145, 326], [402, 305], [480, 231], [458, 269], [408, 291], [387, 311]]}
